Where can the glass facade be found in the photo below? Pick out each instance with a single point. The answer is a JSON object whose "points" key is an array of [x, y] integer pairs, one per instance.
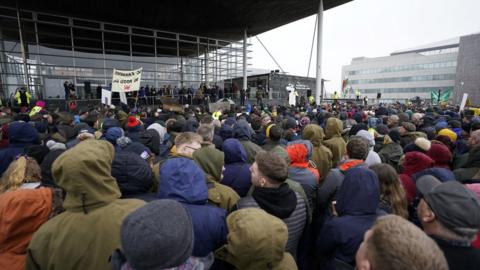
{"points": [[438, 77], [58, 49], [425, 66]]}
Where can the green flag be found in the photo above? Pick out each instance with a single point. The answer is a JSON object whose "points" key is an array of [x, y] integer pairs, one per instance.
{"points": [[440, 96]]}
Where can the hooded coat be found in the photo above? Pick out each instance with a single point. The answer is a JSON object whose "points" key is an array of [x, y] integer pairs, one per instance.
{"points": [[21, 135], [391, 152], [184, 181], [327, 192], [210, 160], [237, 171], [321, 155], [243, 132], [256, 240], [23, 212], [281, 201], [300, 171], [84, 236], [357, 207], [335, 142]]}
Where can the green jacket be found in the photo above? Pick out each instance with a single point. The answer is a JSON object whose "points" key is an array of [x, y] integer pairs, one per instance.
{"points": [[391, 153], [252, 149], [211, 161], [86, 234], [335, 142], [321, 155], [256, 240]]}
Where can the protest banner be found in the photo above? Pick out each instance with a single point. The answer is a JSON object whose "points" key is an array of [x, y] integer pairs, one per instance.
{"points": [[126, 80]]}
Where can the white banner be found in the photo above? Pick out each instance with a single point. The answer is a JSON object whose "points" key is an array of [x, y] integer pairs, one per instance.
{"points": [[464, 101], [106, 97], [126, 80]]}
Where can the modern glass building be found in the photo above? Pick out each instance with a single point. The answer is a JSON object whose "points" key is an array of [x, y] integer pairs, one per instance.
{"points": [[405, 74], [59, 48]]}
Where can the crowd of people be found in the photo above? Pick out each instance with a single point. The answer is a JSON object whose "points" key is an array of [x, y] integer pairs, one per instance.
{"points": [[324, 187]]}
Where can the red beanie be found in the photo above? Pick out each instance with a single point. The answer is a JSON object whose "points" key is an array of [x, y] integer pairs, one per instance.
{"points": [[132, 121], [416, 162], [440, 154]]}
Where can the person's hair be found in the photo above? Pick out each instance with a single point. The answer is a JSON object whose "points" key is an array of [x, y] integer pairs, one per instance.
{"points": [[206, 131], [276, 133], [23, 170], [187, 138], [272, 167], [391, 189], [357, 148], [397, 244], [206, 119]]}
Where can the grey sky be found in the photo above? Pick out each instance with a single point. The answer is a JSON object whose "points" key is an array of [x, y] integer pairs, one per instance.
{"points": [[368, 28]]}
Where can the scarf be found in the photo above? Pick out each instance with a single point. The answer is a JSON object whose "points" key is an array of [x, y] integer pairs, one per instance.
{"points": [[280, 202]]}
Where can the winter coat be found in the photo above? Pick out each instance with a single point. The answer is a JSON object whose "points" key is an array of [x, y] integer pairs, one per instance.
{"points": [[321, 155], [150, 139], [23, 212], [84, 236], [414, 162], [391, 153], [20, 134], [471, 167], [183, 181], [300, 172], [327, 192], [243, 132], [237, 171], [133, 174], [256, 240], [46, 167], [296, 221], [335, 142], [357, 207]]}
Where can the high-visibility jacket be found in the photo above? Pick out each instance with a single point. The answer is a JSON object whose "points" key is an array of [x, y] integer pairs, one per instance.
{"points": [[18, 97]]}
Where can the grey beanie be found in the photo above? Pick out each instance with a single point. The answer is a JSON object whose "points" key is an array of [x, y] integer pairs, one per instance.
{"points": [[158, 235]]}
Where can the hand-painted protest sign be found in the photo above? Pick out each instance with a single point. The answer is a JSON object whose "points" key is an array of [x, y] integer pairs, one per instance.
{"points": [[126, 80]]}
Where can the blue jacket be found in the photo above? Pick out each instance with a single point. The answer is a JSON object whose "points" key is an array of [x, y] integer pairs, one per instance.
{"points": [[237, 171], [20, 134], [133, 175], [184, 181], [357, 207]]}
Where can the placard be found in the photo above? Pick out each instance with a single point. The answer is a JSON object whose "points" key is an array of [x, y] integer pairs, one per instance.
{"points": [[126, 80]]}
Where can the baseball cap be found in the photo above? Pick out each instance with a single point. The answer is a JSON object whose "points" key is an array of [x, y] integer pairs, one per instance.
{"points": [[456, 207]]}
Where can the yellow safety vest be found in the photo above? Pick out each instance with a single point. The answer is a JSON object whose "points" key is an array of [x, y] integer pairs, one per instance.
{"points": [[19, 99]]}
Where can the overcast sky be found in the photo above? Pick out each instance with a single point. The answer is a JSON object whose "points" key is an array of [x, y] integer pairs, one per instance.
{"points": [[368, 28]]}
